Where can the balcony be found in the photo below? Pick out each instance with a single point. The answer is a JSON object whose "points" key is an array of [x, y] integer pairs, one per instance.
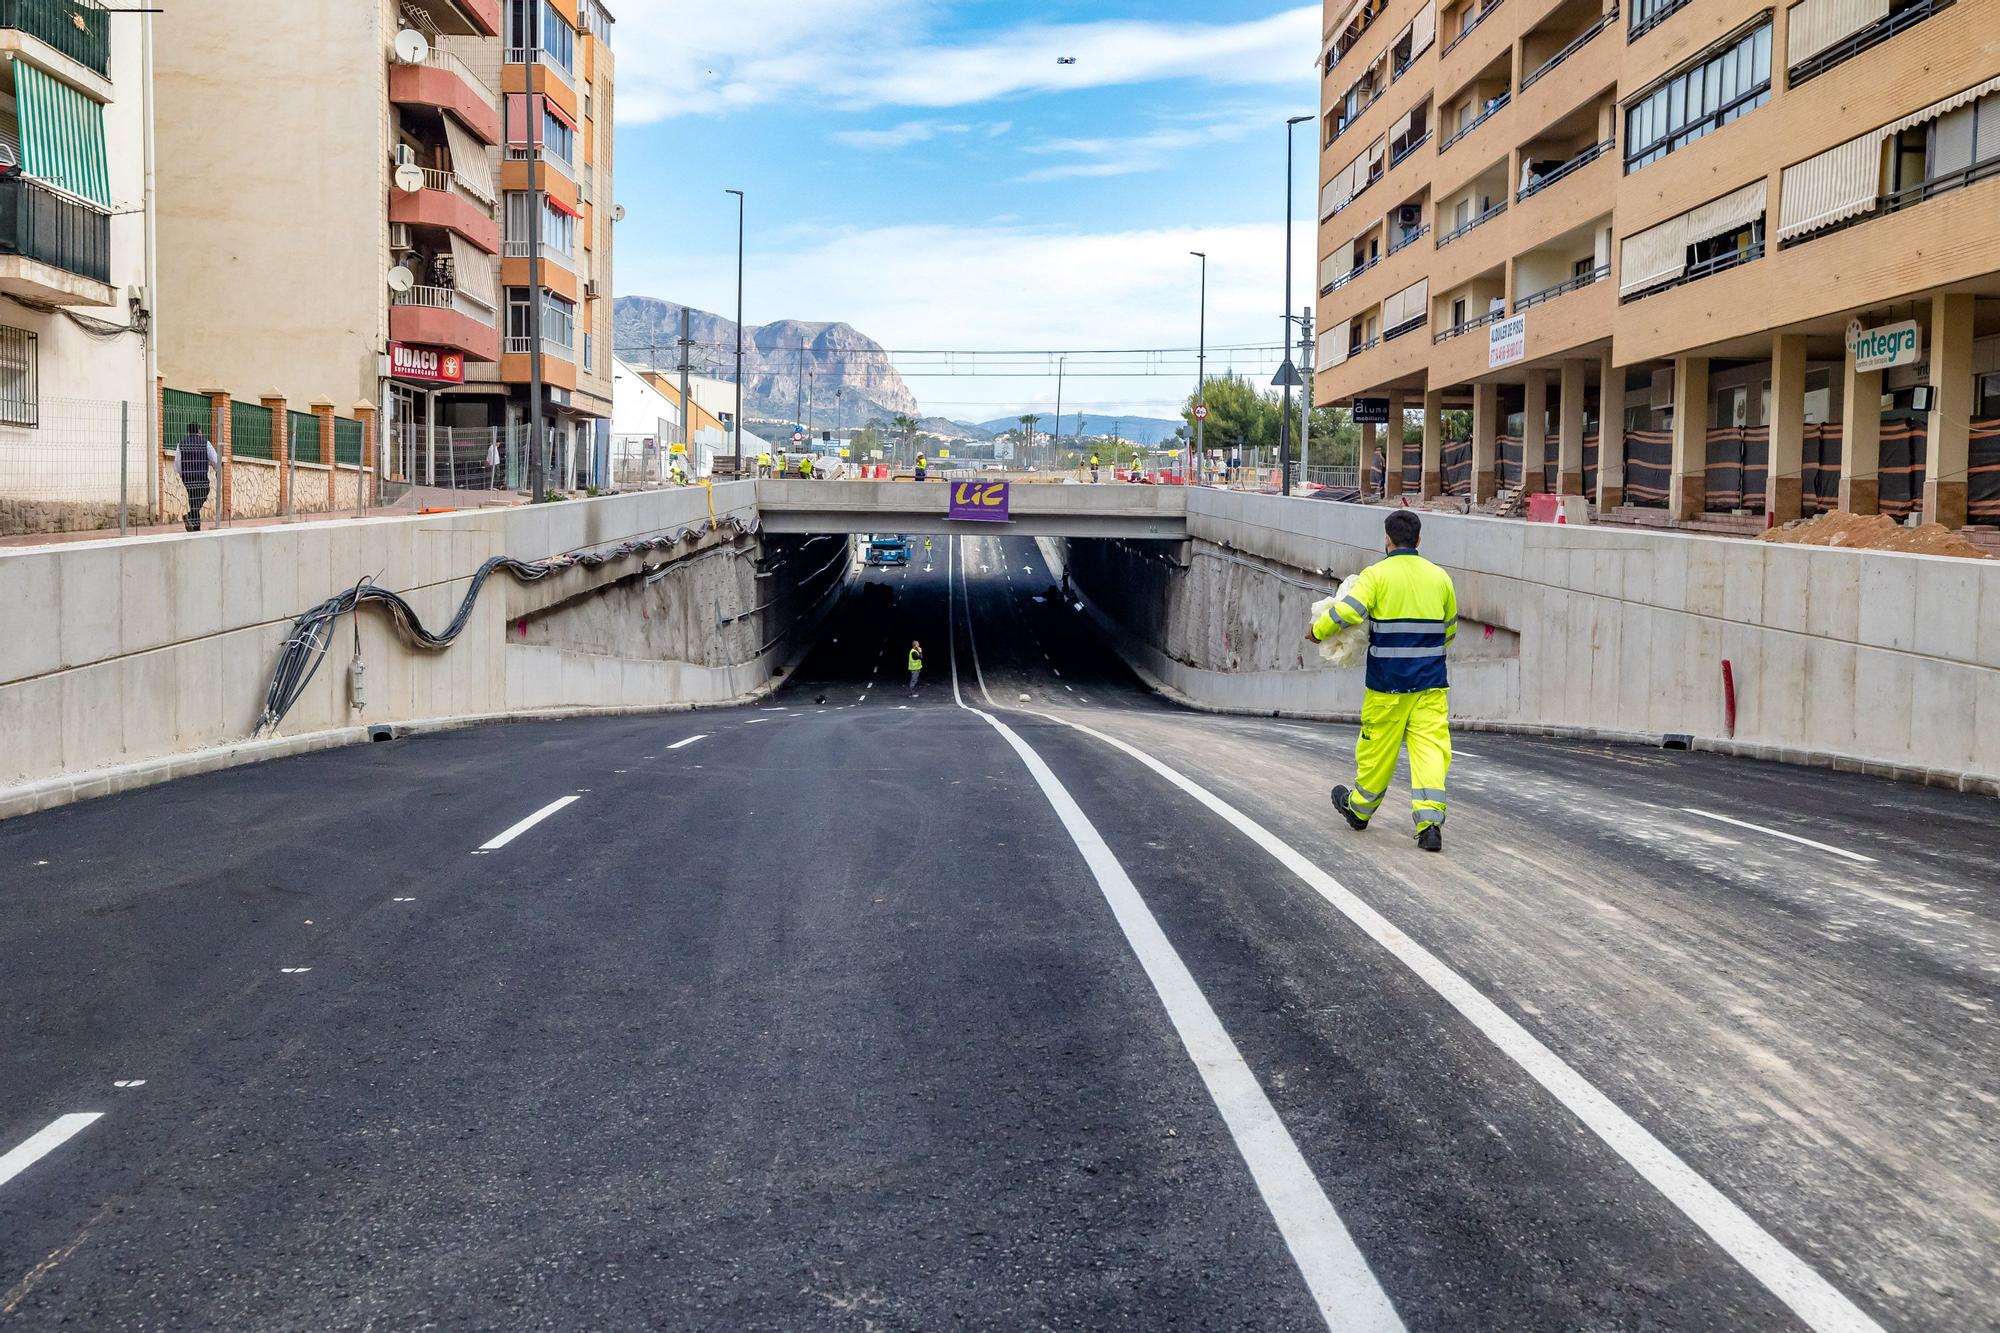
{"points": [[1466, 326], [1493, 108], [1909, 197], [1574, 45], [1577, 163], [1700, 269], [1398, 156], [78, 29], [1479, 220], [444, 317], [1410, 237], [1852, 45], [443, 82], [53, 248], [538, 55], [1350, 275], [1470, 28], [459, 18], [446, 201], [550, 347], [1581, 280], [1650, 14]]}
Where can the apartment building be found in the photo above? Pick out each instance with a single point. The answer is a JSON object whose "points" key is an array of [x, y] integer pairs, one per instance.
{"points": [[1706, 256], [75, 302], [350, 248]]}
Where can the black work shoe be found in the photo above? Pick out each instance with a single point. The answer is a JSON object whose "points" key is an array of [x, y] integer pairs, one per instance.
{"points": [[1354, 821], [1431, 838]]}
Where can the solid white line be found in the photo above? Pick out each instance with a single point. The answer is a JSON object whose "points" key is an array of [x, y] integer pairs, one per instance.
{"points": [[755, 720], [528, 823], [682, 745], [1335, 1271], [45, 1141], [1788, 1277], [1776, 833]]}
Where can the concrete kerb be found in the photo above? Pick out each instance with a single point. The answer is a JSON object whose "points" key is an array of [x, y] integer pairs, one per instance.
{"points": [[1974, 783]]}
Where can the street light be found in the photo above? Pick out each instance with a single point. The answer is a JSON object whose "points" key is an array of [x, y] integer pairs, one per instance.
{"points": [[1201, 371], [1055, 457], [739, 329], [1288, 374]]}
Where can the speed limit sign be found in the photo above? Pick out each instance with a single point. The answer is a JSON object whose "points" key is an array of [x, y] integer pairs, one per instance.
{"points": [[1201, 411]]}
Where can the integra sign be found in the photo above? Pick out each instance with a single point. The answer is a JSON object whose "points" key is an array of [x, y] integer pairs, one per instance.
{"points": [[1879, 349]]}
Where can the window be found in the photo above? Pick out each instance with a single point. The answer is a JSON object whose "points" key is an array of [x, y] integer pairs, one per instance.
{"points": [[20, 403], [586, 104], [1989, 396], [1650, 14], [536, 25], [1458, 313], [558, 320], [1717, 89], [558, 139], [1587, 264], [588, 352], [558, 38]]}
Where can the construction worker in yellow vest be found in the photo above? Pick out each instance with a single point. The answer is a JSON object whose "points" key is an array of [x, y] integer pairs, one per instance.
{"points": [[916, 665], [1411, 611], [923, 466], [763, 465], [1093, 467], [806, 466]]}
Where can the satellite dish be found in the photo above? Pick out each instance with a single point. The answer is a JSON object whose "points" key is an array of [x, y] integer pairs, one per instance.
{"points": [[412, 47], [618, 212], [409, 178], [401, 279]]}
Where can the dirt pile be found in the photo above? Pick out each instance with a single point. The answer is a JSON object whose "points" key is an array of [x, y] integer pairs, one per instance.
{"points": [[1873, 532]]}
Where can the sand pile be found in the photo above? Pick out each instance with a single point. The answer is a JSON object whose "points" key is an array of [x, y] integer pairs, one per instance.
{"points": [[1874, 532]]}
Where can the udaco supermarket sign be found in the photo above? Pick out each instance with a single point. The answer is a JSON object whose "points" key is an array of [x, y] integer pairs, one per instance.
{"points": [[433, 365]]}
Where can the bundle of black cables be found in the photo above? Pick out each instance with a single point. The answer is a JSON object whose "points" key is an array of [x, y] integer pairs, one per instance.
{"points": [[305, 648]]}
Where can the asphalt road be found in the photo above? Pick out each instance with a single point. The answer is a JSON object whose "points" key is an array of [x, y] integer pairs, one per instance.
{"points": [[1018, 1001]]}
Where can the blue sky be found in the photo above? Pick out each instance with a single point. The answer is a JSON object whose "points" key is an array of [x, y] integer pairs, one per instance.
{"points": [[930, 173]]}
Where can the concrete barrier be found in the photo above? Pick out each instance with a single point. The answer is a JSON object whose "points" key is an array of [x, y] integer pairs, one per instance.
{"points": [[1866, 660], [131, 662]]}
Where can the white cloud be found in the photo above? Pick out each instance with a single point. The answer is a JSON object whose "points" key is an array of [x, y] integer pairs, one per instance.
{"points": [[677, 57], [1009, 287], [1152, 151], [897, 136]]}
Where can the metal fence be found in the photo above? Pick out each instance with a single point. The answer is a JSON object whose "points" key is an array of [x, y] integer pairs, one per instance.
{"points": [[82, 468]]}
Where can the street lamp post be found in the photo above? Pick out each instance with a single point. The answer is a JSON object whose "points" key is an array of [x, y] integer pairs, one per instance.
{"points": [[1056, 454], [739, 330], [1201, 371], [1290, 373]]}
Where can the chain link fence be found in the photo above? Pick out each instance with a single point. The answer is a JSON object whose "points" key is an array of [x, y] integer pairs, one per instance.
{"points": [[82, 467]]}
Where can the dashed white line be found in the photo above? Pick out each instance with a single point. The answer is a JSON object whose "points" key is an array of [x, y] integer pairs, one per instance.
{"points": [[1342, 1285], [128, 1083], [551, 808], [682, 745], [755, 720], [1778, 833], [294, 971], [45, 1141]]}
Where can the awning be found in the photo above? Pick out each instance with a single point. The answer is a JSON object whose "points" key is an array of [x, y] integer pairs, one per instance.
{"points": [[1413, 302], [62, 136], [473, 270], [523, 128], [560, 206], [1333, 345], [560, 114], [1946, 107], [469, 162], [1424, 31], [1813, 25], [1832, 187], [1659, 253]]}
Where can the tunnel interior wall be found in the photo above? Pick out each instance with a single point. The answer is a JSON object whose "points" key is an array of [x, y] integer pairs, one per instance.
{"points": [[1876, 661], [128, 662]]}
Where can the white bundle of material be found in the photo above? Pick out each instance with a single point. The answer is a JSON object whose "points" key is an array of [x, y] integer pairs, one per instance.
{"points": [[1350, 646]]}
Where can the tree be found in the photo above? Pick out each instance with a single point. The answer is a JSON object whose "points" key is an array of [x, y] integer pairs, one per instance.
{"points": [[1028, 422], [907, 424]]}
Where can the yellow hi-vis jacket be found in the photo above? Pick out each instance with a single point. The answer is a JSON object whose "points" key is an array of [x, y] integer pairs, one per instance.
{"points": [[916, 659], [806, 466], [1411, 611]]}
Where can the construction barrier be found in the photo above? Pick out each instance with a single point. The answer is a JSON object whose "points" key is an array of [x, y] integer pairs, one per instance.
{"points": [[1649, 465], [1982, 490]]}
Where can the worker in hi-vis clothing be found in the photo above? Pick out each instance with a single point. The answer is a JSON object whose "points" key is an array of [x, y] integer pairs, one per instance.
{"points": [[1093, 467], [916, 665], [923, 466], [1411, 612]]}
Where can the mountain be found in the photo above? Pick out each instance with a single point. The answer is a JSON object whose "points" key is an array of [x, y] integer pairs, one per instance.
{"points": [[849, 374], [1137, 430]]}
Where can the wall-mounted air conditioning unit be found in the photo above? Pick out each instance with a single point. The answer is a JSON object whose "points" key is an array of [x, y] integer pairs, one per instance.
{"points": [[399, 235]]}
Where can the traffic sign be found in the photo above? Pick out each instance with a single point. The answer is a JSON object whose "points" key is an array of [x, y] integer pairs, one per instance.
{"points": [[1201, 411], [798, 437]]}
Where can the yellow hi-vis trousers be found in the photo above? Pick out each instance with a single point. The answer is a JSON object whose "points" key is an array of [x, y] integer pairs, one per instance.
{"points": [[1388, 723]]}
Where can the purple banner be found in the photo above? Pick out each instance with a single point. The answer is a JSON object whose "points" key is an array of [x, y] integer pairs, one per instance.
{"points": [[979, 501]]}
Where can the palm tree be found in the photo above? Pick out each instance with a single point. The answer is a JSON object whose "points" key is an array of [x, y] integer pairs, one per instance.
{"points": [[907, 424], [1028, 423]]}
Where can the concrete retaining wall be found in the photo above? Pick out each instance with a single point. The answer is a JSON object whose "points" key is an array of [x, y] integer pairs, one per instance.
{"points": [[1863, 659], [127, 661]]}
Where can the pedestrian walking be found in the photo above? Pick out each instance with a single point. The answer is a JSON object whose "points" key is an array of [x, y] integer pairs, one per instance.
{"points": [[493, 465], [196, 460], [916, 665], [1411, 611]]}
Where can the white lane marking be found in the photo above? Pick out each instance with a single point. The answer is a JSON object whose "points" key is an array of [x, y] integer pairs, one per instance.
{"points": [[864, 698], [551, 808], [1335, 1271], [402, 900], [1776, 833], [128, 1083], [755, 720], [773, 710], [682, 745], [1788, 1277], [45, 1141], [294, 971]]}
